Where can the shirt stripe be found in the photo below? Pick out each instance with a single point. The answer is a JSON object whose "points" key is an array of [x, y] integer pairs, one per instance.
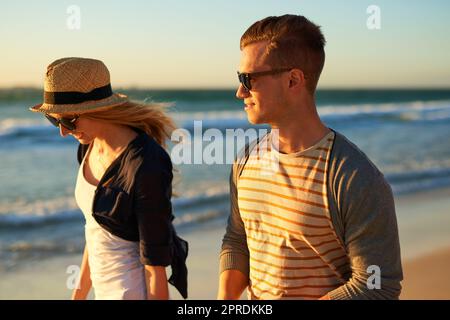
{"points": [[282, 199]]}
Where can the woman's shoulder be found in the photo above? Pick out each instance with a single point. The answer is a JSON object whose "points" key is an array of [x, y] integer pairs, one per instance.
{"points": [[150, 153], [151, 163]]}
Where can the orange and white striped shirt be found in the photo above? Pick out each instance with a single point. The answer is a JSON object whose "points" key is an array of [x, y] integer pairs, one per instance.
{"points": [[293, 247]]}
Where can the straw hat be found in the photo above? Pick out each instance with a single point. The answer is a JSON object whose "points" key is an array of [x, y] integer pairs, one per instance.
{"points": [[78, 85]]}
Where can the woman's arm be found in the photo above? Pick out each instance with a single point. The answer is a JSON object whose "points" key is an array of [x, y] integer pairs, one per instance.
{"points": [[85, 283], [156, 281]]}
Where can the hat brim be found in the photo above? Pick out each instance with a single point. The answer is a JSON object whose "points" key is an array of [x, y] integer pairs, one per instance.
{"points": [[116, 99]]}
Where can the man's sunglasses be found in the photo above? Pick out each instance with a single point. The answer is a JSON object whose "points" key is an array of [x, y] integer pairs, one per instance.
{"points": [[68, 123], [246, 78]]}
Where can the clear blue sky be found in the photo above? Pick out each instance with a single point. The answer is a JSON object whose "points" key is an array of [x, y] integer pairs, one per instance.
{"points": [[195, 44]]}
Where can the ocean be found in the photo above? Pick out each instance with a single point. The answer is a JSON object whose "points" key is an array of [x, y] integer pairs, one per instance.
{"points": [[406, 133]]}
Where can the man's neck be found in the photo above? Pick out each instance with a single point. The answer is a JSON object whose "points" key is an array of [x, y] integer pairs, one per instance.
{"points": [[300, 134]]}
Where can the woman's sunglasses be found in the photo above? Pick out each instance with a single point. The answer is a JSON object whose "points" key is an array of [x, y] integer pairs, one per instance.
{"points": [[246, 78], [68, 123]]}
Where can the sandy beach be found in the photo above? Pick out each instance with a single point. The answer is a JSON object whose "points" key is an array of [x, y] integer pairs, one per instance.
{"points": [[427, 277], [423, 223]]}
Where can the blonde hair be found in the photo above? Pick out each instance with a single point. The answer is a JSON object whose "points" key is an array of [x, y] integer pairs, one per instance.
{"points": [[148, 117]]}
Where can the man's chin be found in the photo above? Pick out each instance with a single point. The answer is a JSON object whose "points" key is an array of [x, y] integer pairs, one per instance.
{"points": [[254, 120]]}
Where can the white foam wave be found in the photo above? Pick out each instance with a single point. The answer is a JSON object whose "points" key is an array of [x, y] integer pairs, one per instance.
{"points": [[62, 209], [418, 110], [22, 212], [414, 111]]}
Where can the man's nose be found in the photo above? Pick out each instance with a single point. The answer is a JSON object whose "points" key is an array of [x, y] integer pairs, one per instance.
{"points": [[241, 92]]}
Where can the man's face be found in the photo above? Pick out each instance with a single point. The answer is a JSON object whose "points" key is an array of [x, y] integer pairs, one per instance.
{"points": [[264, 102]]}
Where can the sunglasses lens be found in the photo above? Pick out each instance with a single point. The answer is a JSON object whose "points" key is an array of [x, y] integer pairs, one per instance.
{"points": [[69, 124], [245, 81], [52, 120], [247, 84]]}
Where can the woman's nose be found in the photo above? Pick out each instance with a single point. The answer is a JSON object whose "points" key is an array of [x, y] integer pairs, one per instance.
{"points": [[63, 131]]}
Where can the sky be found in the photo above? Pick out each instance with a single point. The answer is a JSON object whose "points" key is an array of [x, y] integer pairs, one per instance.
{"points": [[195, 44]]}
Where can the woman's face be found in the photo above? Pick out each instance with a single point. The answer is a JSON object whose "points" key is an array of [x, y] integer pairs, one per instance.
{"points": [[85, 129]]}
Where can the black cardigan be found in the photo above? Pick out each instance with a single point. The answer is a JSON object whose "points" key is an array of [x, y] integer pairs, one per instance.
{"points": [[133, 201]]}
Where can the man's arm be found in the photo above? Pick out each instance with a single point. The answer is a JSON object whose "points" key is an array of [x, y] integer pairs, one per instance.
{"points": [[231, 285], [367, 209], [234, 257]]}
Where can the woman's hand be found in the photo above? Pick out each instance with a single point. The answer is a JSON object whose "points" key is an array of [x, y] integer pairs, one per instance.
{"points": [[156, 281]]}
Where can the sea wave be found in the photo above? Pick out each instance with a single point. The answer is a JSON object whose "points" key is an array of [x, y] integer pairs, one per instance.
{"points": [[199, 206], [415, 111], [29, 214], [14, 126], [64, 209], [430, 111], [417, 176], [39, 247]]}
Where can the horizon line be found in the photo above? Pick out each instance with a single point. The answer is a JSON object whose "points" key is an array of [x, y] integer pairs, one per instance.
{"points": [[141, 88]]}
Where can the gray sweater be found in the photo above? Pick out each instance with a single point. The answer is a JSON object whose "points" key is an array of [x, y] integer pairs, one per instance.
{"points": [[363, 215]]}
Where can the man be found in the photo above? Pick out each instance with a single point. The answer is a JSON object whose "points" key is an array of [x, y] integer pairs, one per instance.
{"points": [[322, 225]]}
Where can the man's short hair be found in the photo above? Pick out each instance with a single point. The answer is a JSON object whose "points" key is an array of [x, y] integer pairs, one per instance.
{"points": [[293, 41]]}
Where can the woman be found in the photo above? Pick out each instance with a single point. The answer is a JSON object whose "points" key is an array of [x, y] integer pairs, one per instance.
{"points": [[123, 186]]}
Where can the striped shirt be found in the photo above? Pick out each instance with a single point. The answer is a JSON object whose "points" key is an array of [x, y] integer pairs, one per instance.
{"points": [[294, 251]]}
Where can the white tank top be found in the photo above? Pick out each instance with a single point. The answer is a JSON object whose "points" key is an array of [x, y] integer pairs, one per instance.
{"points": [[115, 267]]}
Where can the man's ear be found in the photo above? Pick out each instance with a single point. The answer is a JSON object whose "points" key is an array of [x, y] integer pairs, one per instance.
{"points": [[297, 78]]}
